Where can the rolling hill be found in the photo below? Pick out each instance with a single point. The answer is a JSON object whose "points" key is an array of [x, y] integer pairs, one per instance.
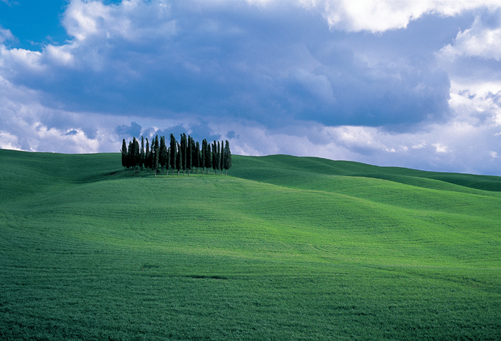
{"points": [[284, 248]]}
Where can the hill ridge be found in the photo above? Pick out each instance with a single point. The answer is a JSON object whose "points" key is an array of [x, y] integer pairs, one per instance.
{"points": [[352, 168], [285, 248]]}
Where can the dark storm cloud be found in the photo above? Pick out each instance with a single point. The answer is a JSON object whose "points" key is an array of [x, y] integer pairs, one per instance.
{"points": [[241, 62], [199, 130], [124, 131]]}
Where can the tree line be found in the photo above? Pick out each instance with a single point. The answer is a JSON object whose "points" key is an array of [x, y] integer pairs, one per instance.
{"points": [[185, 155]]}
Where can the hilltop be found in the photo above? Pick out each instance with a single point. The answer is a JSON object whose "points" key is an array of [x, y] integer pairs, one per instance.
{"points": [[282, 248]]}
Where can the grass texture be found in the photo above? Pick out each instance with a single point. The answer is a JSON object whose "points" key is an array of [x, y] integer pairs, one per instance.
{"points": [[283, 248]]}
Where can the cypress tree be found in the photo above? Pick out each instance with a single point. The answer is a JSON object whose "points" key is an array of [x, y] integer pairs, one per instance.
{"points": [[183, 151], [163, 154], [173, 152], [141, 162], [204, 154], [221, 157], [130, 155], [214, 158], [185, 155], [152, 154], [147, 155], [136, 157], [179, 158], [227, 157], [168, 160], [208, 157], [157, 155], [189, 155], [124, 154], [218, 156], [196, 156]]}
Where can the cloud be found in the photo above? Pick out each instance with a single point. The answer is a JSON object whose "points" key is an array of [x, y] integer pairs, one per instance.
{"points": [[473, 58], [131, 20], [26, 124], [5, 35], [469, 142], [302, 77], [134, 130], [374, 15], [198, 129], [8, 141], [380, 16], [456, 147], [440, 148], [159, 58], [480, 41], [316, 85]]}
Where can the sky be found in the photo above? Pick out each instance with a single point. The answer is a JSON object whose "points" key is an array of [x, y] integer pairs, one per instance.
{"points": [[412, 84]]}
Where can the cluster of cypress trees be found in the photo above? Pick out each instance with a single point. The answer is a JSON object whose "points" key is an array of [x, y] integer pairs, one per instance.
{"points": [[184, 155]]}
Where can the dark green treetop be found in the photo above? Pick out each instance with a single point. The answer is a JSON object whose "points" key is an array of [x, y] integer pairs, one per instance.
{"points": [[173, 151], [124, 154], [147, 154], [163, 154], [141, 157], [196, 156], [227, 157], [156, 159], [208, 157], [189, 154], [179, 159]]}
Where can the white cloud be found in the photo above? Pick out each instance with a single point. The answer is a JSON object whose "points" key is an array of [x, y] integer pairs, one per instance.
{"points": [[349, 15], [477, 41], [380, 16], [60, 54], [44, 138], [9, 141], [419, 145], [21, 59], [475, 86], [475, 106], [356, 137], [5, 35], [131, 20], [473, 62], [440, 148], [26, 124]]}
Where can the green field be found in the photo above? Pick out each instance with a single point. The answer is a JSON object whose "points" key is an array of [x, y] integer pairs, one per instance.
{"points": [[283, 248]]}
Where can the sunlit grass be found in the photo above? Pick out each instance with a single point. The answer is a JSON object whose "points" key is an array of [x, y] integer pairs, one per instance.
{"points": [[283, 248]]}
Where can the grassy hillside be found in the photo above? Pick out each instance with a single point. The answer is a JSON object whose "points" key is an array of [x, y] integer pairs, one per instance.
{"points": [[284, 248]]}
